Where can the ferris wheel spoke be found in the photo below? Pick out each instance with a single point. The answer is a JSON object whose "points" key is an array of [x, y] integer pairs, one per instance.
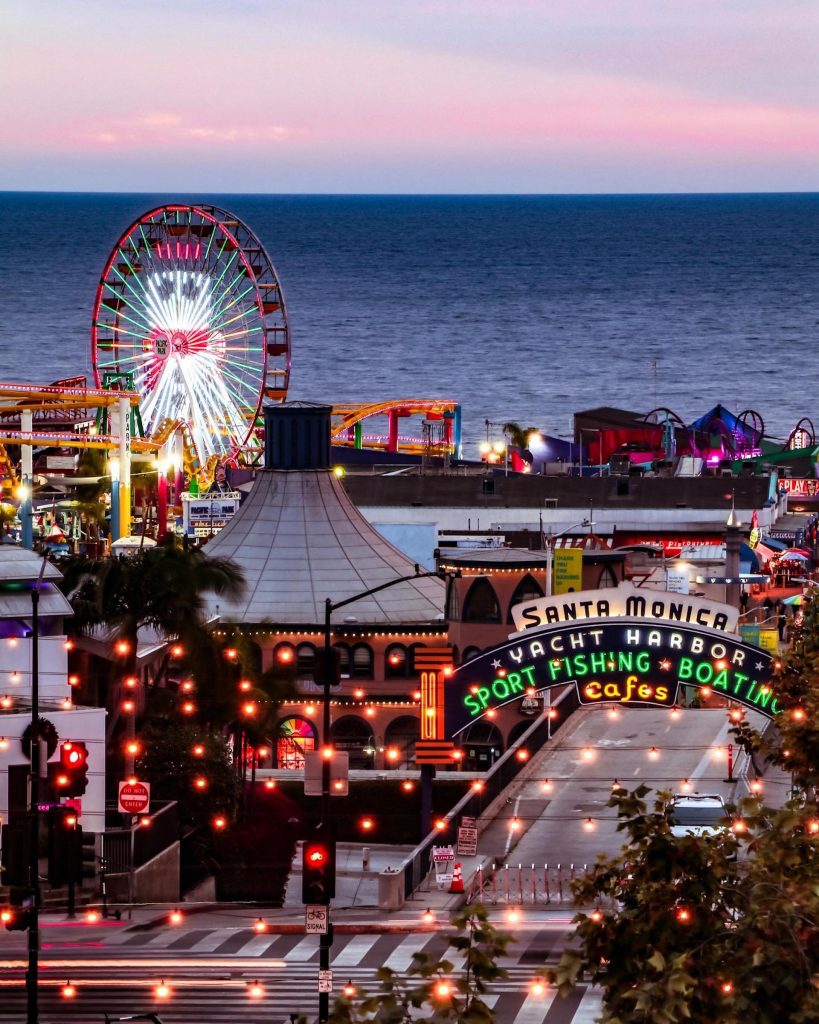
{"points": [[221, 306]]}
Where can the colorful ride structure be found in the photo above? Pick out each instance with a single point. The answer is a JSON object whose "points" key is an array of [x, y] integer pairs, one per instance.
{"points": [[189, 338], [441, 433]]}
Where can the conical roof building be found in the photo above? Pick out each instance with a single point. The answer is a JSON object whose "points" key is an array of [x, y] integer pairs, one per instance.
{"points": [[299, 540]]}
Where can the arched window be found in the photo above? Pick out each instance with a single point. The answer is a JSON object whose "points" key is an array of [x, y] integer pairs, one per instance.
{"points": [[395, 662], [607, 578], [305, 661], [481, 603], [362, 661], [470, 653], [295, 736], [343, 660], [527, 590], [285, 654]]}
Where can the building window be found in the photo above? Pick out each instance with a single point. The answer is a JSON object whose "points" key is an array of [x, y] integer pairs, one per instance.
{"points": [[343, 660], [305, 661], [481, 603], [285, 654], [527, 590], [607, 578], [295, 736], [362, 661], [395, 662]]}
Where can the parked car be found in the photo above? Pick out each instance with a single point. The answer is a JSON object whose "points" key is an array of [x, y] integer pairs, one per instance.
{"points": [[699, 814]]}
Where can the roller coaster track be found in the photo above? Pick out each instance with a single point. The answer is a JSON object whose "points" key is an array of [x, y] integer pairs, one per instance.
{"points": [[346, 415]]}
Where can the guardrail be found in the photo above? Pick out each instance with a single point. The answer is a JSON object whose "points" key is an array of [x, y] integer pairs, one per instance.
{"points": [[505, 770]]}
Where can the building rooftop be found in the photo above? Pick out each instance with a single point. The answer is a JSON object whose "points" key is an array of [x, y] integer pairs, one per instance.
{"points": [[298, 540]]}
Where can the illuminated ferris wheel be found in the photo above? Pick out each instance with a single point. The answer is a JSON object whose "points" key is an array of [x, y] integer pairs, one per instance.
{"points": [[190, 305]]}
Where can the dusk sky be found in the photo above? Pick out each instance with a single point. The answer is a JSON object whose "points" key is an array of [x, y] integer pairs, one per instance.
{"points": [[415, 96]]}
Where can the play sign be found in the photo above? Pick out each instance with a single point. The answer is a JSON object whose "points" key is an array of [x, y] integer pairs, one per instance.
{"points": [[134, 797]]}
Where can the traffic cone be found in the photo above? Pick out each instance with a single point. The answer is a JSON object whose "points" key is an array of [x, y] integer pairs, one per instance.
{"points": [[457, 879]]}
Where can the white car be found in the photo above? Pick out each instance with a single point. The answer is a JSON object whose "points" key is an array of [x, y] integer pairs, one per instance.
{"points": [[701, 815]]}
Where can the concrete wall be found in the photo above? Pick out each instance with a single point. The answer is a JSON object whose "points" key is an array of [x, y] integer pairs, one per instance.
{"points": [[155, 882]]}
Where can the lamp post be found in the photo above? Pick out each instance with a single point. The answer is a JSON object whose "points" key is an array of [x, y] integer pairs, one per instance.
{"points": [[326, 938]]}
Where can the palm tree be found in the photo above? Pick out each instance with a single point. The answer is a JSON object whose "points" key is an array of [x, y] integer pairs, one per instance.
{"points": [[161, 588], [519, 436]]}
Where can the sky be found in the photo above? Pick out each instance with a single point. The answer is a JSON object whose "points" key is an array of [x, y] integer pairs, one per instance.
{"points": [[396, 96]]}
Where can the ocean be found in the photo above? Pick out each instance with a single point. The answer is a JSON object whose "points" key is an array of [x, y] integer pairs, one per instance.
{"points": [[523, 308]]}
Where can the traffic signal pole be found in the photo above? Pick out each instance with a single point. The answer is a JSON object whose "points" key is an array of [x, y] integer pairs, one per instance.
{"points": [[32, 974], [326, 938]]}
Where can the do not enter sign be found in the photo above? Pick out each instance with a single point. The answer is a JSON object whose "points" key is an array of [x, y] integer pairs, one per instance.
{"points": [[134, 797]]}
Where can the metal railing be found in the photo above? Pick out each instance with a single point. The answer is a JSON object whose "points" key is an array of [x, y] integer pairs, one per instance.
{"points": [[126, 849], [417, 864], [523, 885]]}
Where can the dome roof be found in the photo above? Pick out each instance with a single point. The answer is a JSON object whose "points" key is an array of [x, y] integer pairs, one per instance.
{"points": [[298, 540]]}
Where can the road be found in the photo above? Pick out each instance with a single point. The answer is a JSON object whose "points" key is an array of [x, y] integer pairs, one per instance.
{"points": [[570, 823], [212, 958], [209, 967]]}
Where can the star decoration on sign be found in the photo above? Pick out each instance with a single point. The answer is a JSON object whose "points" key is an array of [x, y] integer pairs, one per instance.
{"points": [[665, 665], [759, 666], [496, 663]]}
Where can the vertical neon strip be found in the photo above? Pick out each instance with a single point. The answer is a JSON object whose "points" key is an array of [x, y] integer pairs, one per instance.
{"points": [[26, 480]]}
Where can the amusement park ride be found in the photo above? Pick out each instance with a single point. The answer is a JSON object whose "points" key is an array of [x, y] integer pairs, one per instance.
{"points": [[189, 337]]}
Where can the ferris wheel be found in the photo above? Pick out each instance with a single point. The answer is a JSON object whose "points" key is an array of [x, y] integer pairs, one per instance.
{"points": [[190, 306]]}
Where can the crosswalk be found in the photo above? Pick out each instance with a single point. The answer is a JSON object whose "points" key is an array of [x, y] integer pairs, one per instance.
{"points": [[221, 1000], [210, 973], [350, 949]]}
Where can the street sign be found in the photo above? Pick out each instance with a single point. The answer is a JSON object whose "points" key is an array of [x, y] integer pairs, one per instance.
{"points": [[316, 919], [467, 842], [325, 981], [134, 797]]}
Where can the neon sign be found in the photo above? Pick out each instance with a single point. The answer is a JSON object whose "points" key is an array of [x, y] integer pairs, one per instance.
{"points": [[627, 661]]}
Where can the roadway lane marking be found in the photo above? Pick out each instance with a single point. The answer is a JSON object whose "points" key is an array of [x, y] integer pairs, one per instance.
{"points": [[259, 945], [534, 1008], [708, 757], [353, 952], [591, 1005], [210, 943], [401, 958], [304, 950]]}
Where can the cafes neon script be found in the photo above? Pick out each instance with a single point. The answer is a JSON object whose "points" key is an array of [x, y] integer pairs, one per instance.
{"points": [[630, 661]]}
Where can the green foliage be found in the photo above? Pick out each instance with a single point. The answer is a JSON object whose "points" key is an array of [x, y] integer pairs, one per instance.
{"points": [[746, 948], [400, 998], [170, 765]]}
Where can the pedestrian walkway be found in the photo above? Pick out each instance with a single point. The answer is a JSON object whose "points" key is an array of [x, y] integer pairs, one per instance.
{"points": [[224, 1001], [540, 942]]}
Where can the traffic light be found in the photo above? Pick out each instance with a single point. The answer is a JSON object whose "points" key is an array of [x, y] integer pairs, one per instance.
{"points": [[318, 869], [17, 916], [87, 856], [15, 852], [327, 667], [69, 775], [64, 846]]}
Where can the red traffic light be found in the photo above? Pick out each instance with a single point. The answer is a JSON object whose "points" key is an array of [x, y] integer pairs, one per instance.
{"points": [[70, 774], [318, 870]]}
